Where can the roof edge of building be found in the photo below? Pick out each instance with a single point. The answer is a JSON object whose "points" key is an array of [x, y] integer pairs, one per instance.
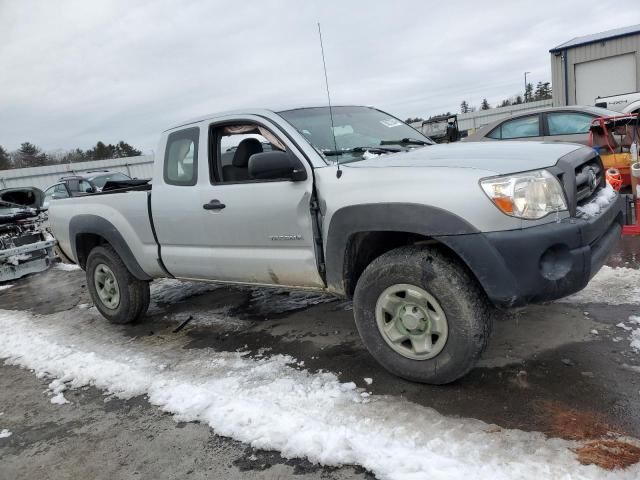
{"points": [[589, 39]]}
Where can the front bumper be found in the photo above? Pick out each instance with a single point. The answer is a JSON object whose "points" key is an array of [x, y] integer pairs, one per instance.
{"points": [[542, 263]]}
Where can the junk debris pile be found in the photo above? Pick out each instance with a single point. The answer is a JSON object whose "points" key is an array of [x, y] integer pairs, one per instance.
{"points": [[25, 246]]}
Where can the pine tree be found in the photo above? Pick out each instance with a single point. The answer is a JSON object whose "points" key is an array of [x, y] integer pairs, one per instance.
{"points": [[74, 156], [538, 93], [29, 155], [528, 93], [485, 105], [464, 107], [518, 100], [5, 159], [123, 149], [102, 151]]}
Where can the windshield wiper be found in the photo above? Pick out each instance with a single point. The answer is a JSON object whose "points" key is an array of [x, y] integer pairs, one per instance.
{"points": [[330, 153], [405, 141]]}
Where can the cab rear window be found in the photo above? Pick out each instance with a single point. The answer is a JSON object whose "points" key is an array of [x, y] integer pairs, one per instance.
{"points": [[181, 157]]}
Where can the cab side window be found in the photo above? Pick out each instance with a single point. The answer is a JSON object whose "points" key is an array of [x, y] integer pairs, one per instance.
{"points": [[57, 191], [567, 123], [496, 133], [85, 187], [60, 191], [521, 128], [181, 157], [235, 144]]}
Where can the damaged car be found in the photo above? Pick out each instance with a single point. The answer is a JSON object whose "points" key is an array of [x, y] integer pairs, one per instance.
{"points": [[25, 246]]}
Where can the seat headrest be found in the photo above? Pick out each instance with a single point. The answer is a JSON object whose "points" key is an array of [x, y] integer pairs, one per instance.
{"points": [[246, 148]]}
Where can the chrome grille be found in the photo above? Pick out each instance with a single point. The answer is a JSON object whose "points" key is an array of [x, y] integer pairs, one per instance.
{"points": [[575, 171], [589, 179]]}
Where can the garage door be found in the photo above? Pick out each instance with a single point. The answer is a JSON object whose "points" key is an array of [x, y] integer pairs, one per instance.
{"points": [[608, 76]]}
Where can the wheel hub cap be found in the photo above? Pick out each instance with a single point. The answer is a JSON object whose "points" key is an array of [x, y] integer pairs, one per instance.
{"points": [[411, 321], [413, 318], [106, 286]]}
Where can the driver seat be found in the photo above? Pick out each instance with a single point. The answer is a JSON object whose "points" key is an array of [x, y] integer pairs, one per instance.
{"points": [[238, 171]]}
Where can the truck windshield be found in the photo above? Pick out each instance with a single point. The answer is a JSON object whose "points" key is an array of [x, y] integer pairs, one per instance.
{"points": [[360, 132]]}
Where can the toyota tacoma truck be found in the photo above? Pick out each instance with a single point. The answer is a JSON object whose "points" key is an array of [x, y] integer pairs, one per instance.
{"points": [[426, 239]]}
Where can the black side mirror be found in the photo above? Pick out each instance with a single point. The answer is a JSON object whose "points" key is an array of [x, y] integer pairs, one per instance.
{"points": [[275, 166]]}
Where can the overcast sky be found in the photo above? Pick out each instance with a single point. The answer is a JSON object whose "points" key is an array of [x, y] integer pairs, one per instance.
{"points": [[72, 73]]}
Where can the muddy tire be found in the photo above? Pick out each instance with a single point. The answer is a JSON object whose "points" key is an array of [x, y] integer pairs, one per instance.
{"points": [[119, 296], [421, 315]]}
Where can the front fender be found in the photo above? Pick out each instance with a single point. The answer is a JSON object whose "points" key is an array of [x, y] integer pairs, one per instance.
{"points": [[383, 217]]}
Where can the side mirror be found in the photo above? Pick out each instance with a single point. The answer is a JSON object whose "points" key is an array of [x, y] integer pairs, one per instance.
{"points": [[276, 165]]}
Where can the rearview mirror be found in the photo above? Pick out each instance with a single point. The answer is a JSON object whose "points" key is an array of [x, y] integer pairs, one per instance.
{"points": [[275, 166]]}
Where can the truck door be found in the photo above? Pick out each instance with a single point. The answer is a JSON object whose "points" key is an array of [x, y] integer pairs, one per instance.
{"points": [[214, 222]]}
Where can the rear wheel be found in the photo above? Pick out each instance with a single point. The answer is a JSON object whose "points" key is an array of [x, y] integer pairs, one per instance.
{"points": [[119, 296], [421, 315]]}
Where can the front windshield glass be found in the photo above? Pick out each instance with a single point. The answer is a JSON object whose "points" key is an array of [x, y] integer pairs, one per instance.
{"points": [[360, 132]]}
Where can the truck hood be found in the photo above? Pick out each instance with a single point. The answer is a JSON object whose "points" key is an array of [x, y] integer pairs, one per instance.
{"points": [[498, 157], [19, 203]]}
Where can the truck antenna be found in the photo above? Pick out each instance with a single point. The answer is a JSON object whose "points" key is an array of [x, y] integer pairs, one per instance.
{"points": [[326, 82]]}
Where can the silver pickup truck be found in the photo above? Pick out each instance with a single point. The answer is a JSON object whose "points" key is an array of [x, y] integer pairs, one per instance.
{"points": [[425, 238]]}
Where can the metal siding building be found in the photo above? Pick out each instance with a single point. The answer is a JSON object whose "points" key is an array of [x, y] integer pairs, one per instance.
{"points": [[42, 177], [595, 65]]}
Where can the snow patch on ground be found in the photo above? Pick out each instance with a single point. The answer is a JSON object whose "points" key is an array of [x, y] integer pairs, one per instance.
{"points": [[603, 198], [58, 399], [4, 433], [4, 287], [614, 286], [634, 333], [67, 267], [57, 387], [270, 404]]}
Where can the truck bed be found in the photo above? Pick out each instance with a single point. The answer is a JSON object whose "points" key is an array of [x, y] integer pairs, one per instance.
{"points": [[124, 212]]}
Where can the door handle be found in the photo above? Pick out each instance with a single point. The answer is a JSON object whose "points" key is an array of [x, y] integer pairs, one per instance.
{"points": [[214, 205]]}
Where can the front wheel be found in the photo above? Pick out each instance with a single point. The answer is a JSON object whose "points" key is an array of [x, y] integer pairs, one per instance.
{"points": [[119, 296], [421, 315]]}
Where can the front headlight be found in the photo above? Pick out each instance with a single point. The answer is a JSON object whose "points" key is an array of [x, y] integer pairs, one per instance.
{"points": [[529, 195]]}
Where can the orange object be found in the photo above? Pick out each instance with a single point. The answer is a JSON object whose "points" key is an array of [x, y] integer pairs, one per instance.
{"points": [[614, 178], [620, 162]]}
